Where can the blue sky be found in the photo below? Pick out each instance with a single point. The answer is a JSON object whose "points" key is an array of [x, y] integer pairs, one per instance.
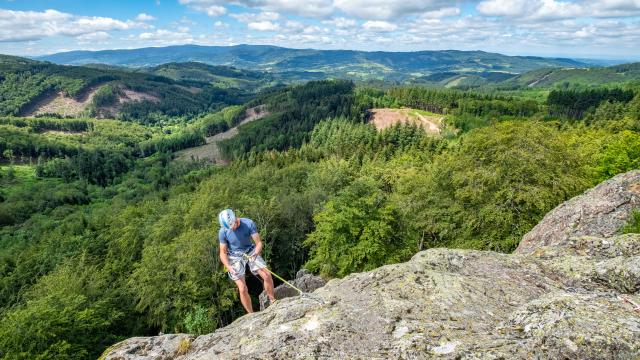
{"points": [[608, 29]]}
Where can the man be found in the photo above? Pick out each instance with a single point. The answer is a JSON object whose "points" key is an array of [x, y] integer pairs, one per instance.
{"points": [[237, 249]]}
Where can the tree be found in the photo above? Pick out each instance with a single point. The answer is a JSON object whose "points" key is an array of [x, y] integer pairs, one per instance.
{"points": [[356, 231], [493, 187], [8, 154]]}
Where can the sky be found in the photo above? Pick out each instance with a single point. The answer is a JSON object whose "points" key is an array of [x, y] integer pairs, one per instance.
{"points": [[605, 29]]}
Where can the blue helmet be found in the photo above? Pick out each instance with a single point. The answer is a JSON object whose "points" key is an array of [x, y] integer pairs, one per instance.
{"points": [[227, 218]]}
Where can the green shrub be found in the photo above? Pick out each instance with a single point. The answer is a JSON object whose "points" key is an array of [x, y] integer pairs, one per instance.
{"points": [[199, 322]]}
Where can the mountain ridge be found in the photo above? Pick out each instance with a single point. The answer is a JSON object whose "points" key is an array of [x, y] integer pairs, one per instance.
{"points": [[345, 63]]}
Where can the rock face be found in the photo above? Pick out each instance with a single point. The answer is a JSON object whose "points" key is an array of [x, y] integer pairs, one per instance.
{"points": [[156, 347], [601, 211], [561, 296], [304, 281]]}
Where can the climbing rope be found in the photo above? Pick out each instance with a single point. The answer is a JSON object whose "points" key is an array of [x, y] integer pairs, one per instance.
{"points": [[302, 293], [636, 307]]}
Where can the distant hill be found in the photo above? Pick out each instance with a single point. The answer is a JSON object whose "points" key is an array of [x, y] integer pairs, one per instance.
{"points": [[544, 78], [358, 65], [217, 75], [462, 80], [31, 88]]}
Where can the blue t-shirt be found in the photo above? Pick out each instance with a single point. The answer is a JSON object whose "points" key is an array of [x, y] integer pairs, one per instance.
{"points": [[240, 238]]}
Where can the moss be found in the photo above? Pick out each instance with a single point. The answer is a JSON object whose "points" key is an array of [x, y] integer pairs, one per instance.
{"points": [[633, 226], [184, 346], [107, 351]]}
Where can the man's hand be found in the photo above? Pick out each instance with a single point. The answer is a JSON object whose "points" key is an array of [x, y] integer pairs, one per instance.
{"points": [[224, 258], [254, 256], [258, 241], [230, 270]]}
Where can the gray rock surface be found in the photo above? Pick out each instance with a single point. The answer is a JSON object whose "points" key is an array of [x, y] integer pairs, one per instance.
{"points": [[601, 211], [304, 281], [560, 297], [156, 347]]}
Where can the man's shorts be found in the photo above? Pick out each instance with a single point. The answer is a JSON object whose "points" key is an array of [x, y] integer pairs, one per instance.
{"points": [[239, 264]]}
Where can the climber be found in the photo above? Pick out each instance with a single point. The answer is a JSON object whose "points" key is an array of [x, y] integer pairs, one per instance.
{"points": [[237, 249]]}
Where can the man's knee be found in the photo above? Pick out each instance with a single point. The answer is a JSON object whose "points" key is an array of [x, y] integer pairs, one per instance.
{"points": [[242, 287], [265, 275]]}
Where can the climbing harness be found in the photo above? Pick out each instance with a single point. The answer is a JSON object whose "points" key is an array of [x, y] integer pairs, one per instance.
{"points": [[302, 293]]}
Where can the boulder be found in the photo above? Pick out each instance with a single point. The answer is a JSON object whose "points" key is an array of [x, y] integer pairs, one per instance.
{"points": [[600, 212], [305, 281], [155, 347]]}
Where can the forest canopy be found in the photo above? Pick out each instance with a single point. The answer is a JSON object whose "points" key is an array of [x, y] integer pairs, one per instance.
{"points": [[105, 234]]}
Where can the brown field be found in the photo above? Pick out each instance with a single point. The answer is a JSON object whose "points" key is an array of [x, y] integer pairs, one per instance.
{"points": [[383, 118], [60, 103]]}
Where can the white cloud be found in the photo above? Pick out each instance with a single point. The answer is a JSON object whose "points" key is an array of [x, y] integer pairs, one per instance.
{"points": [[263, 21], [388, 9], [93, 37], [440, 13], [295, 25], [165, 37], [145, 17], [530, 9], [340, 22], [185, 21], [379, 26], [515, 8], [612, 8], [544, 10], [307, 8], [263, 26], [211, 8], [16, 26], [253, 17]]}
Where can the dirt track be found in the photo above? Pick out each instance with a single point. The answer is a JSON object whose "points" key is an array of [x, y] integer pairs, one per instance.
{"points": [[210, 151]]}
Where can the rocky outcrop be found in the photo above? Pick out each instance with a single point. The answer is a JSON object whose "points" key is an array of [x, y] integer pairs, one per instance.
{"points": [[569, 293], [304, 281], [155, 347], [601, 211]]}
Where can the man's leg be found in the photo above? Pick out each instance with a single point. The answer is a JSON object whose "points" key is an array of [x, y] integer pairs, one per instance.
{"points": [[244, 294], [268, 283]]}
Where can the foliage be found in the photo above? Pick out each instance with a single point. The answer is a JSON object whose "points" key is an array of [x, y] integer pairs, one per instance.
{"points": [[295, 112], [357, 230], [574, 103], [106, 96], [620, 153], [492, 187], [199, 322], [57, 315], [43, 124], [633, 225]]}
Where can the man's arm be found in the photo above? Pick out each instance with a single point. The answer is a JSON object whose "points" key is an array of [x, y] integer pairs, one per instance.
{"points": [[224, 258], [256, 239], [255, 236]]}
